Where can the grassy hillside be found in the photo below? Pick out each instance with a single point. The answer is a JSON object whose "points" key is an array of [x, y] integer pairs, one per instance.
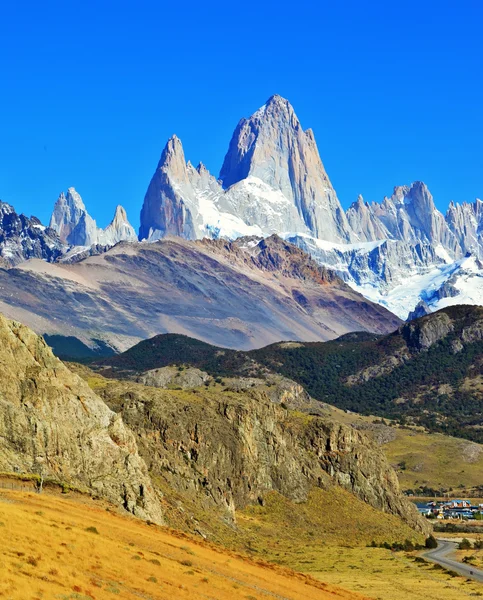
{"points": [[78, 549], [74, 548], [451, 465], [427, 373]]}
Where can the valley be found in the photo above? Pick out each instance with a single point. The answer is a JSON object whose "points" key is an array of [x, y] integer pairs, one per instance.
{"points": [[241, 342]]}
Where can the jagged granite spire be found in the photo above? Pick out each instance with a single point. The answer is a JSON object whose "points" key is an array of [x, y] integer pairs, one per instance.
{"points": [[71, 220], [76, 227], [272, 147], [118, 230], [364, 223], [165, 209]]}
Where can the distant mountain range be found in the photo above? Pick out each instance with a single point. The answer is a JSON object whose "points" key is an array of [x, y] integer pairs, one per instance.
{"points": [[401, 253]]}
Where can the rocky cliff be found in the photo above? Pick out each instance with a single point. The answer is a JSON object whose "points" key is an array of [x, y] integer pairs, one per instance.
{"points": [[51, 423], [221, 450]]}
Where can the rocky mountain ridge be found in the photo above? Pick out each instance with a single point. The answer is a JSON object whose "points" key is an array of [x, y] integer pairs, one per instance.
{"points": [[223, 450], [22, 238], [52, 424], [401, 252], [205, 450], [76, 227], [236, 294]]}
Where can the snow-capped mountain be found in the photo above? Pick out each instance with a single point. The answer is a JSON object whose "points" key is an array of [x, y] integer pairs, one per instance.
{"points": [[77, 228], [22, 238], [399, 252], [272, 181]]}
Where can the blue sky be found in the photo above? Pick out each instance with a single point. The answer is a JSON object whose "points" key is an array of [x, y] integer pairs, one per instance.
{"points": [[91, 91]]}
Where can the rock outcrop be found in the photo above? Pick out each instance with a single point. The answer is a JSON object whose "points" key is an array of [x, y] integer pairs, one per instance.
{"points": [[167, 377], [423, 333], [224, 451], [52, 423]]}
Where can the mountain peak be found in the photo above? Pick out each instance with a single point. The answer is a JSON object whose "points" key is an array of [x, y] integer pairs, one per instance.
{"points": [[277, 99], [120, 213], [71, 221], [272, 146], [172, 160], [277, 102], [118, 230], [73, 198], [173, 147]]}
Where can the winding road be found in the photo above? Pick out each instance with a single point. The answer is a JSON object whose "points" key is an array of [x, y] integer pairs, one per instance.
{"points": [[440, 555]]}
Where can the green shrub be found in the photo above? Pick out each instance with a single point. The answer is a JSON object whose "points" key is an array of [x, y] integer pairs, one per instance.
{"points": [[92, 530]]}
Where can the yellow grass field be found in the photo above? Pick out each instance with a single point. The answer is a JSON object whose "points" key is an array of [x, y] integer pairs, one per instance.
{"points": [[384, 575], [80, 549]]}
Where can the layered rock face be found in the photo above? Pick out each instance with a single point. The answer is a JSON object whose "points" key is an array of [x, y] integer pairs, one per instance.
{"points": [[76, 227], [52, 423], [22, 238], [224, 451]]}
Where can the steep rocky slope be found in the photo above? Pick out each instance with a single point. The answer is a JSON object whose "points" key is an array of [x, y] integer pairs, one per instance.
{"points": [[52, 424], [428, 372], [208, 451], [244, 294], [220, 449]]}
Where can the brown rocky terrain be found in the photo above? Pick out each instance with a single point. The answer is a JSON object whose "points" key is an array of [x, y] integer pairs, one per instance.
{"points": [[194, 457], [240, 294]]}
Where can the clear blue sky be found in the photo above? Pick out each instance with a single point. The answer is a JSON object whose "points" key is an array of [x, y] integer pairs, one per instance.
{"points": [[90, 92]]}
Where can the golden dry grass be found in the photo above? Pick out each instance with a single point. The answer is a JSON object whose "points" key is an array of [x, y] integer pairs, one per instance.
{"points": [[385, 575], [64, 549]]}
